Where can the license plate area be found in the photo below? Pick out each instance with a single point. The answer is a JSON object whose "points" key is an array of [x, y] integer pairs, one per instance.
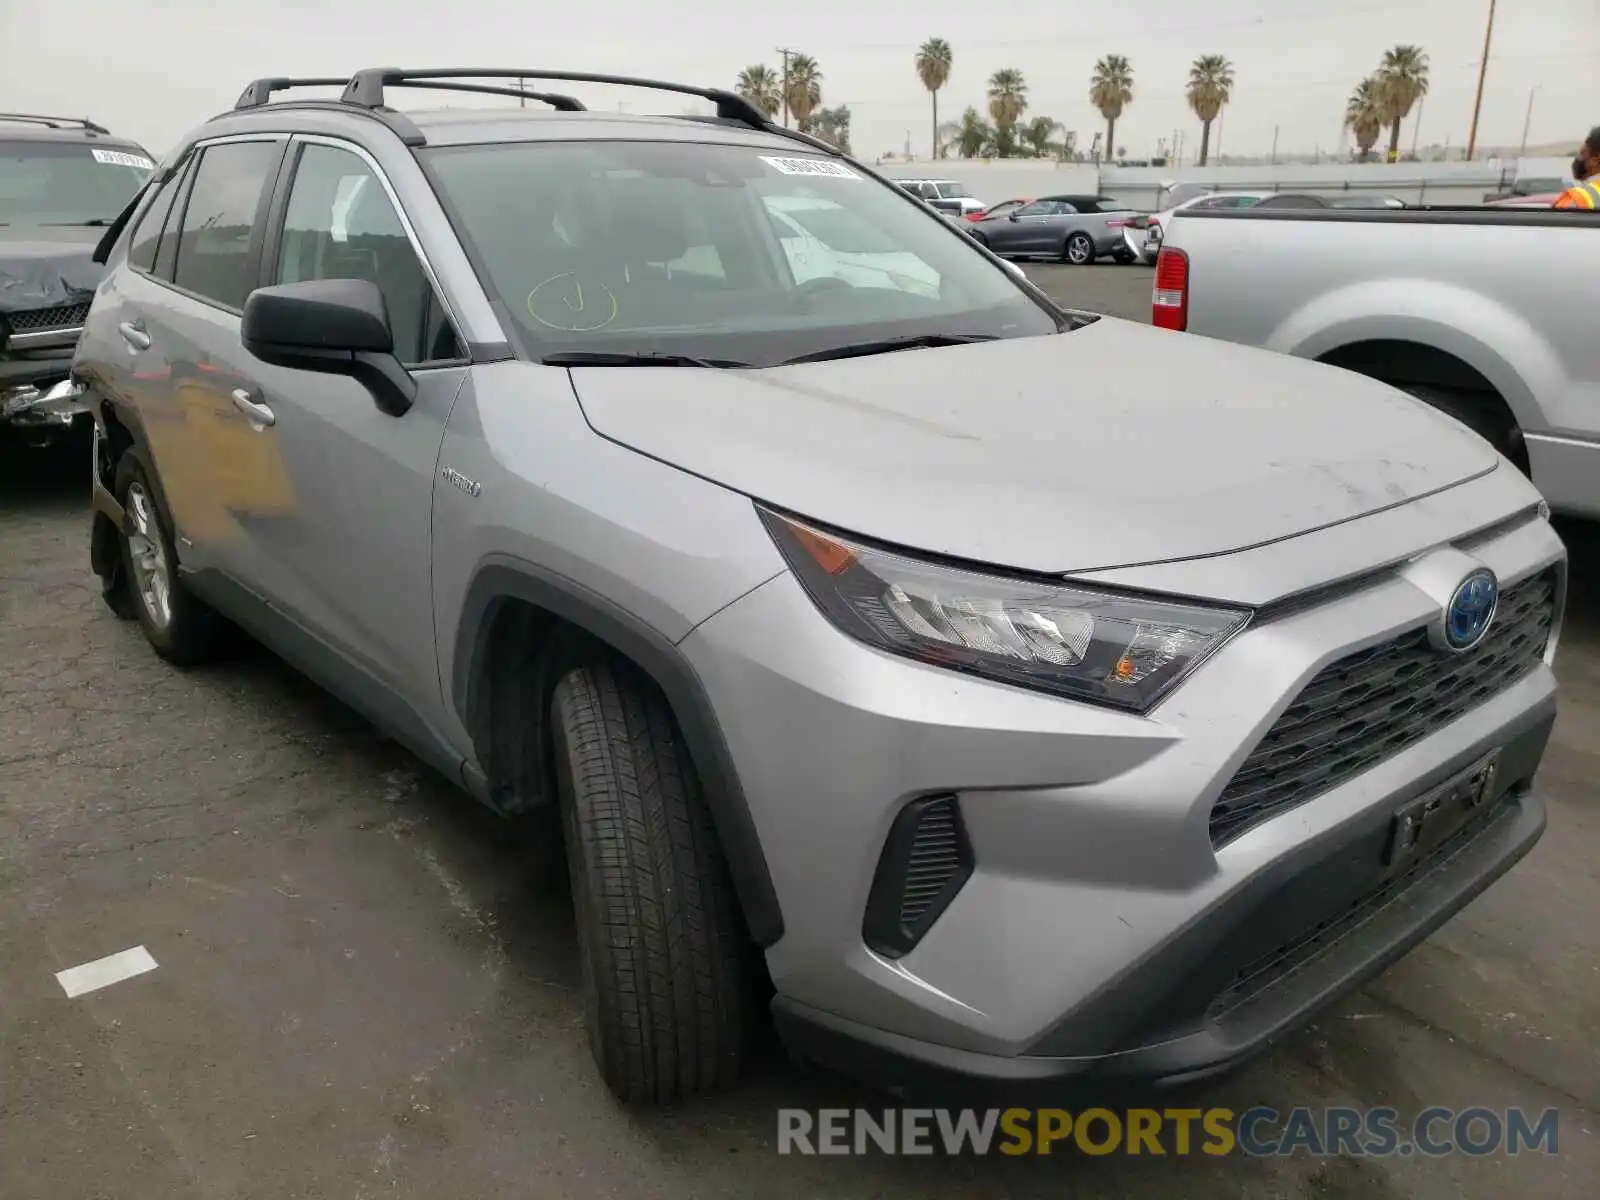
{"points": [[1438, 814]]}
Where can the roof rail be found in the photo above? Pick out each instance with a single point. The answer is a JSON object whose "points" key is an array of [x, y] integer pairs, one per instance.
{"points": [[366, 87], [397, 122], [260, 91], [82, 123], [554, 99]]}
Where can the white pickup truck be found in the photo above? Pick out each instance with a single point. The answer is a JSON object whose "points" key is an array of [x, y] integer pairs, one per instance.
{"points": [[1490, 315]]}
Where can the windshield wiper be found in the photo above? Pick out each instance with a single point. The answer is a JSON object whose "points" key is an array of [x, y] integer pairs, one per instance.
{"points": [[915, 341], [614, 358], [91, 223]]}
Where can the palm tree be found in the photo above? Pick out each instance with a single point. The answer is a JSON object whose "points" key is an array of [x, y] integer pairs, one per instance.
{"points": [[1402, 81], [1363, 115], [1008, 99], [933, 68], [973, 136], [1210, 87], [1111, 90], [1037, 133], [804, 87], [760, 85]]}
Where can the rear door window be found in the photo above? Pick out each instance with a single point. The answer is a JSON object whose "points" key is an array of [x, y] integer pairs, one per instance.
{"points": [[219, 239]]}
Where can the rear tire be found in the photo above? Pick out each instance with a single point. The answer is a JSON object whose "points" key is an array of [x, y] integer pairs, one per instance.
{"points": [[1078, 250], [181, 628], [666, 992], [1480, 413]]}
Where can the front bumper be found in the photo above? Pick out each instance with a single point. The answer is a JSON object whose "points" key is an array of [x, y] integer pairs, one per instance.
{"points": [[52, 406], [1099, 929]]}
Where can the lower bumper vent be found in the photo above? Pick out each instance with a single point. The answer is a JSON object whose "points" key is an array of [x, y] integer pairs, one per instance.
{"points": [[926, 860]]}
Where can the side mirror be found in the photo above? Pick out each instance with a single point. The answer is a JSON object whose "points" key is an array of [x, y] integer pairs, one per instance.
{"points": [[332, 326], [1012, 215]]}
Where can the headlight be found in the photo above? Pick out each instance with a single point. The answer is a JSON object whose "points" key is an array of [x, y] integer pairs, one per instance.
{"points": [[1100, 646]]}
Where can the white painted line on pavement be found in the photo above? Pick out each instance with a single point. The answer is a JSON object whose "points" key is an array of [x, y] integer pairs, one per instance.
{"points": [[103, 972]]}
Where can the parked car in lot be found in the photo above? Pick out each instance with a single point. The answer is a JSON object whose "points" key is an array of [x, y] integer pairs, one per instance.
{"points": [[1143, 237], [1332, 200], [1074, 229], [1031, 695], [61, 180], [947, 195], [1447, 304]]}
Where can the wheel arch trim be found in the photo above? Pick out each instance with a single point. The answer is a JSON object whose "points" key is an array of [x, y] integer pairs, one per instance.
{"points": [[499, 578]]}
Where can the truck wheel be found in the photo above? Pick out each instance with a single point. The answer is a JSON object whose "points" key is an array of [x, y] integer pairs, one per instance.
{"points": [[180, 627], [664, 980], [1479, 412], [1079, 250]]}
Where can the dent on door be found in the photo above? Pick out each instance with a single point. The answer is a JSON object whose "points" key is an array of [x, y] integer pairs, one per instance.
{"points": [[241, 461]]}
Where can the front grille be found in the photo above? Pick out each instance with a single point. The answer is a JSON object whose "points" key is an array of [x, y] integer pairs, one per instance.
{"points": [[41, 320], [1364, 708], [926, 860]]}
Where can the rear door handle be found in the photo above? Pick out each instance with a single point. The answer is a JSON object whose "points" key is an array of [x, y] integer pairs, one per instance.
{"points": [[260, 415], [133, 333]]}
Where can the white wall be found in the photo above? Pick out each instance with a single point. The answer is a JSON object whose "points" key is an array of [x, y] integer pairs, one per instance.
{"points": [[1145, 187]]}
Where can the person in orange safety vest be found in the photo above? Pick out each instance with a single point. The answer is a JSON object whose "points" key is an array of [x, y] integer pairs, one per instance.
{"points": [[1586, 170]]}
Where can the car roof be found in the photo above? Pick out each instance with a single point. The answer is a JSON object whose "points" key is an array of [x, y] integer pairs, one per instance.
{"points": [[478, 126], [62, 129]]}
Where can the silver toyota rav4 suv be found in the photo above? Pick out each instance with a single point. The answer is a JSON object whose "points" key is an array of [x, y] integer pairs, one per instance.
{"points": [[1029, 696]]}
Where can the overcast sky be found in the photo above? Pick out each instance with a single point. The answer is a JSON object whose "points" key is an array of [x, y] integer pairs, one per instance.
{"points": [[154, 68]]}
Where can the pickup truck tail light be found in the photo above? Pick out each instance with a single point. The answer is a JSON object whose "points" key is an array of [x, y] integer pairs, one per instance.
{"points": [[1169, 303]]}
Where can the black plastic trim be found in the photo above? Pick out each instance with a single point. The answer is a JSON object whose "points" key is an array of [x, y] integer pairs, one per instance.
{"points": [[259, 91], [502, 577], [882, 928], [908, 1065], [350, 682]]}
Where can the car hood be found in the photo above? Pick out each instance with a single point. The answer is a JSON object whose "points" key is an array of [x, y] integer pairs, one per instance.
{"points": [[1115, 445], [47, 267]]}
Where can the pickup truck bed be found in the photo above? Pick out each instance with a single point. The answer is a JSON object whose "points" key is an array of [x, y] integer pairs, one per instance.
{"points": [[1490, 314]]}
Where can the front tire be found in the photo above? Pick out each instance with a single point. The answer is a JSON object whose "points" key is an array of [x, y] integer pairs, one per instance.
{"points": [[180, 627], [1079, 250], [665, 988]]}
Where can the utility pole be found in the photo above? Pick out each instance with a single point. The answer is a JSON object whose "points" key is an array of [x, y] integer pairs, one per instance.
{"points": [[1274, 145], [522, 101], [1483, 69], [1416, 129], [786, 52], [1528, 120], [1222, 113]]}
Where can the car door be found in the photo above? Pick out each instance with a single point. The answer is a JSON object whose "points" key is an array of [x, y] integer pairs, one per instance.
{"points": [[178, 316], [1017, 232], [1047, 230], [350, 561]]}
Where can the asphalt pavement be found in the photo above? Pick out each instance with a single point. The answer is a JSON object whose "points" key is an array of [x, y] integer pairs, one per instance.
{"points": [[364, 987]]}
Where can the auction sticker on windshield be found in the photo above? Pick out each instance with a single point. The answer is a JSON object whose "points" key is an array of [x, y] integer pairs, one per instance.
{"points": [[809, 166], [121, 159]]}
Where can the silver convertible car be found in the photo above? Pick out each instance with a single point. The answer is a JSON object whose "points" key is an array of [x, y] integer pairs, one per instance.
{"points": [[1075, 229]]}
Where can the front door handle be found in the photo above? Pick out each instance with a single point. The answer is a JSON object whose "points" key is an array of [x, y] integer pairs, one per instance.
{"points": [[133, 333], [260, 415]]}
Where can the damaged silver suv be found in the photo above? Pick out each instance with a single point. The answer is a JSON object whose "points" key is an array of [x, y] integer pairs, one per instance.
{"points": [[1030, 696]]}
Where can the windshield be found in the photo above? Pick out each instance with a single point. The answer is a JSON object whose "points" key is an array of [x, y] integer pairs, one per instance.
{"points": [[719, 252], [48, 183], [953, 191]]}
